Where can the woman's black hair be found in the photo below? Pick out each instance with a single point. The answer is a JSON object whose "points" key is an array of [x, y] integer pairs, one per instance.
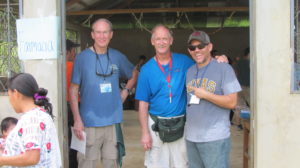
{"points": [[27, 86], [7, 122]]}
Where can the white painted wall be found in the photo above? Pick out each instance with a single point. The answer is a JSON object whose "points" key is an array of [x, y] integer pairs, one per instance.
{"points": [[6, 109], [277, 115], [49, 72]]}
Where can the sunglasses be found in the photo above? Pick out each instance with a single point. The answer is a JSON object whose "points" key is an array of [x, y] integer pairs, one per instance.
{"points": [[104, 75], [199, 46]]}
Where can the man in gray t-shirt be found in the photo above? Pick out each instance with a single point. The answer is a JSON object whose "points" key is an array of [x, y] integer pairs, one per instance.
{"points": [[212, 91]]}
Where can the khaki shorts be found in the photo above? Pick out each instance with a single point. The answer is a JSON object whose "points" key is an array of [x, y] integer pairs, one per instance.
{"points": [[165, 155], [101, 145]]}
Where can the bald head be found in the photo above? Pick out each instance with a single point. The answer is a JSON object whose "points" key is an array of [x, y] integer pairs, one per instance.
{"points": [[161, 26], [161, 40], [101, 20]]}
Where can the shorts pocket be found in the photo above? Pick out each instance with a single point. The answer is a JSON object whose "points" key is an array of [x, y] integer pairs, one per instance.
{"points": [[90, 136]]}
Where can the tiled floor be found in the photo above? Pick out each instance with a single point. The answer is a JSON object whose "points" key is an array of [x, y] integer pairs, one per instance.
{"points": [[135, 155]]}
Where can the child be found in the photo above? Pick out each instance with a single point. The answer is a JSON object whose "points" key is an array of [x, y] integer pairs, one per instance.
{"points": [[7, 125]]}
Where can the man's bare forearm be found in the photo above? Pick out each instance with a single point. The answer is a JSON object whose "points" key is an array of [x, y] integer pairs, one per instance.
{"points": [[132, 81], [74, 91], [225, 101], [143, 116]]}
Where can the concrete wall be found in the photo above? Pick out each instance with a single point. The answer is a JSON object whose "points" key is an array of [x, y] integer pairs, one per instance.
{"points": [[6, 109], [45, 71], [276, 120], [37, 68], [48, 72]]}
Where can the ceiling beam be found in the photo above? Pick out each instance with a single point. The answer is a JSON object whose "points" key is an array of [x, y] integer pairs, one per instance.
{"points": [[10, 4], [159, 10]]}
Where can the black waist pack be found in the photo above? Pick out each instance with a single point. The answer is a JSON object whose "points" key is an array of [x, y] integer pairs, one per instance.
{"points": [[169, 129]]}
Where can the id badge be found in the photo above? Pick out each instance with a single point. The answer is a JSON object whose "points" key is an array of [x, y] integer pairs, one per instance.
{"points": [[194, 99], [105, 88]]}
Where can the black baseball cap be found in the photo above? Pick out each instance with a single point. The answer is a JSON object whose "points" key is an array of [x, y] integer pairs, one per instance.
{"points": [[70, 44]]}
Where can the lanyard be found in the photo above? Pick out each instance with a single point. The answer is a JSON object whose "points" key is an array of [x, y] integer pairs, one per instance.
{"points": [[202, 75], [168, 77], [104, 75]]}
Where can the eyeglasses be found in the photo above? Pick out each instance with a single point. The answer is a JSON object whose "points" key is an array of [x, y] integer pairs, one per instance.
{"points": [[199, 46]]}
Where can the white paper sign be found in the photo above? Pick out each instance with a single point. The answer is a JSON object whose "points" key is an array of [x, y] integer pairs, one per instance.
{"points": [[78, 144], [38, 38]]}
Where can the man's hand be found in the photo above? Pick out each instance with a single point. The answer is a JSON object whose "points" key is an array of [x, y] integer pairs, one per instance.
{"points": [[221, 58], [78, 129], [226, 101], [199, 92], [146, 141]]}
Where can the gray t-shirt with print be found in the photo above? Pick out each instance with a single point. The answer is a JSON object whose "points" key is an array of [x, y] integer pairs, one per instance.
{"points": [[206, 121]]}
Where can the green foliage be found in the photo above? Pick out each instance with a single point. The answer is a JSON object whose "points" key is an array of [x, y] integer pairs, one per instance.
{"points": [[71, 35], [9, 60], [8, 46], [237, 22]]}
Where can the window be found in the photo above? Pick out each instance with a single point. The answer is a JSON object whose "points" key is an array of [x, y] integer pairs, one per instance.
{"points": [[9, 62]]}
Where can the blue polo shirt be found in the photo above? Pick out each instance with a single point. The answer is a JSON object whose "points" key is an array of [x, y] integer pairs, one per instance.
{"points": [[152, 86], [100, 108]]}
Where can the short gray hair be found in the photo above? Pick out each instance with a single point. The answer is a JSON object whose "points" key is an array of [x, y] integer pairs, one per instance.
{"points": [[103, 20], [161, 25]]}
